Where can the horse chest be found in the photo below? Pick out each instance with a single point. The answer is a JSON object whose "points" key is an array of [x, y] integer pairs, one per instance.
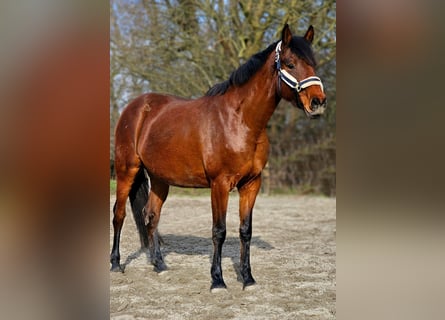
{"points": [[232, 163]]}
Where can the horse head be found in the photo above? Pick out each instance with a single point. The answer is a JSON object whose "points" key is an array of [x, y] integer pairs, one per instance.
{"points": [[297, 81]]}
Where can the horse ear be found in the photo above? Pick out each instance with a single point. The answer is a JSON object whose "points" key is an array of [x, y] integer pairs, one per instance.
{"points": [[309, 35], [286, 35]]}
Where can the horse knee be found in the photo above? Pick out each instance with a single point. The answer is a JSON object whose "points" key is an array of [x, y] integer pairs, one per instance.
{"points": [[245, 236], [219, 233], [245, 232]]}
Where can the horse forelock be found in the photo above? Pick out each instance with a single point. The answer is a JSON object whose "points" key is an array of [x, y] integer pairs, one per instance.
{"points": [[302, 48]]}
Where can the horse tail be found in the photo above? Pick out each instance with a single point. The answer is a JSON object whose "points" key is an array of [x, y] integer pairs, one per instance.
{"points": [[138, 198]]}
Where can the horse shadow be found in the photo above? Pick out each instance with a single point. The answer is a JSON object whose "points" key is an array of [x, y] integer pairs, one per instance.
{"points": [[201, 246]]}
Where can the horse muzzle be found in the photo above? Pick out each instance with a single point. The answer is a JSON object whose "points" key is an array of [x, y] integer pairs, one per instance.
{"points": [[317, 108]]}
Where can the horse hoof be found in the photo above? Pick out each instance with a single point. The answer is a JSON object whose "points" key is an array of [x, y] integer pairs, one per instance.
{"points": [[218, 287], [218, 290], [160, 267], [249, 285], [117, 268]]}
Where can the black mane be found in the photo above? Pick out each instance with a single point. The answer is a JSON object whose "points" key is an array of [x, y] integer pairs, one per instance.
{"points": [[243, 73], [298, 45]]}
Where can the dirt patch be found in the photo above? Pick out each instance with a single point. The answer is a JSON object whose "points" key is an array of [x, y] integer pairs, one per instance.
{"points": [[292, 257]]}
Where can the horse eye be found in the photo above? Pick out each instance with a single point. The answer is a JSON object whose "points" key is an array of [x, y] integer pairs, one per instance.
{"points": [[290, 65]]}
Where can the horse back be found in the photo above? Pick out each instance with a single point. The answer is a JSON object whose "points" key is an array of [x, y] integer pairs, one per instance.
{"points": [[135, 113]]}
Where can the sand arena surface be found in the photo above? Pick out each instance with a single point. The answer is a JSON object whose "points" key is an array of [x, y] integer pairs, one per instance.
{"points": [[293, 254]]}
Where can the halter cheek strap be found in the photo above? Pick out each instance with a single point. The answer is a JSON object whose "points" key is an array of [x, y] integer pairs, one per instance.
{"points": [[290, 80]]}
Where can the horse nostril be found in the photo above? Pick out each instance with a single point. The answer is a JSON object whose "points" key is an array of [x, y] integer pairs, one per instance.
{"points": [[315, 102]]}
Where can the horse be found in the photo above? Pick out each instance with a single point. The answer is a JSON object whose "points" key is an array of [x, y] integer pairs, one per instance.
{"points": [[217, 141]]}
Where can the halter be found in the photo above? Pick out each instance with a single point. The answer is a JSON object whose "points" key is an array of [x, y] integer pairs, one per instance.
{"points": [[290, 80]]}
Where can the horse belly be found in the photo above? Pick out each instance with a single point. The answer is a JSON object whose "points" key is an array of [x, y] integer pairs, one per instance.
{"points": [[182, 176], [176, 163]]}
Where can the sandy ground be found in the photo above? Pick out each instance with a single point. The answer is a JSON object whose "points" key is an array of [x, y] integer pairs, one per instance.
{"points": [[293, 257]]}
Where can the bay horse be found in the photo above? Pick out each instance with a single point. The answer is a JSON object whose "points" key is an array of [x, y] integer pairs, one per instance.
{"points": [[218, 141]]}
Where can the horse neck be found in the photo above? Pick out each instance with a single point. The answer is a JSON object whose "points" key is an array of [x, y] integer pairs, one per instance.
{"points": [[258, 98]]}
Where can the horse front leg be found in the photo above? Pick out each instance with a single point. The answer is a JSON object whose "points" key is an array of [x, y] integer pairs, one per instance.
{"points": [[248, 193], [220, 197]]}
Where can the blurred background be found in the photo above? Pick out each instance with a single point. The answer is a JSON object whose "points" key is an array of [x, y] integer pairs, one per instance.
{"points": [[54, 177], [185, 47], [390, 156]]}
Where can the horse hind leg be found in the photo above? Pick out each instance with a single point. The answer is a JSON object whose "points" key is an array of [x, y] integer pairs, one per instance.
{"points": [[125, 177], [158, 195]]}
